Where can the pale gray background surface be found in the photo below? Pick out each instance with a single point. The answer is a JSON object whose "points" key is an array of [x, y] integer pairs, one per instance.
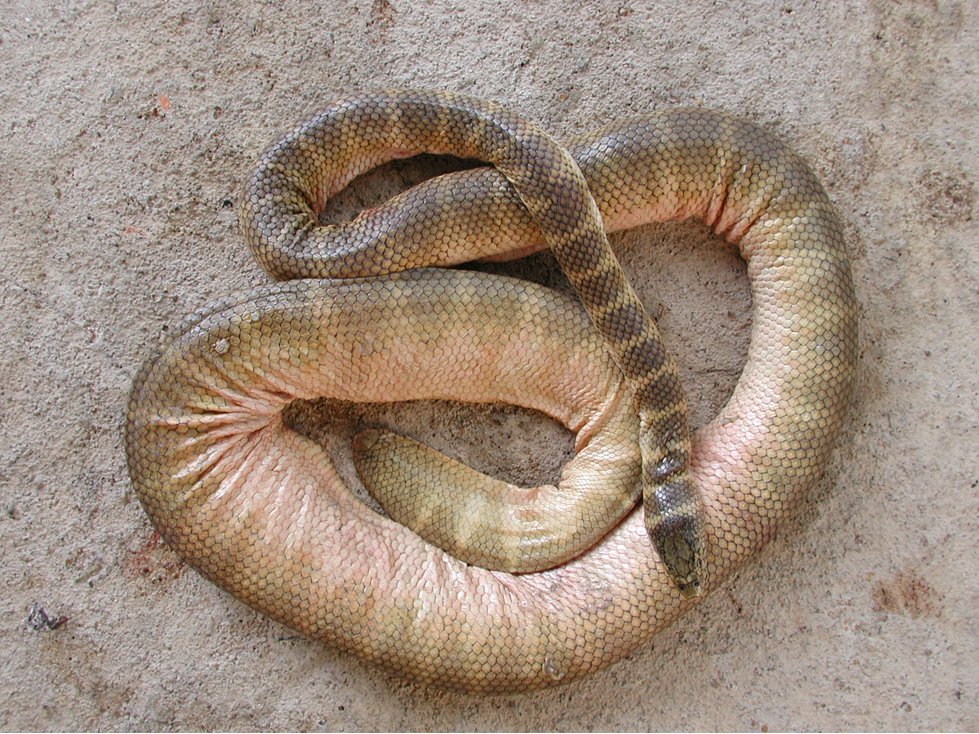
{"points": [[125, 130]]}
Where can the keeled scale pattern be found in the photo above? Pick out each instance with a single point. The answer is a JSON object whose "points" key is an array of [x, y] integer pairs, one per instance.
{"points": [[260, 511], [301, 170]]}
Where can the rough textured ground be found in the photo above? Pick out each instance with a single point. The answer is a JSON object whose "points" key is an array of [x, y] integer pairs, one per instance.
{"points": [[125, 129]]}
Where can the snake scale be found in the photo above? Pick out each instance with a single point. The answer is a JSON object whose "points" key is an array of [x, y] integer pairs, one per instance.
{"points": [[260, 510]]}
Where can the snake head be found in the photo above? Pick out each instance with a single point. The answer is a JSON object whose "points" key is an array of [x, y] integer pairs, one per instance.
{"points": [[677, 539]]}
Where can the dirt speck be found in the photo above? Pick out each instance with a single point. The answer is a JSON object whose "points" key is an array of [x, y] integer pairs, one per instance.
{"points": [[948, 198], [907, 593], [154, 561]]}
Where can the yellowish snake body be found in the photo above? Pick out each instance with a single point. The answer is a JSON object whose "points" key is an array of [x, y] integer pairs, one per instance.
{"points": [[260, 510]]}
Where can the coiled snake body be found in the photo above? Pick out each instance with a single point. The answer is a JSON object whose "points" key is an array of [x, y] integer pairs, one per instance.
{"points": [[260, 510]]}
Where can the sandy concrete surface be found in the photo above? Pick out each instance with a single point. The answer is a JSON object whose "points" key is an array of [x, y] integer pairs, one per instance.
{"points": [[125, 131]]}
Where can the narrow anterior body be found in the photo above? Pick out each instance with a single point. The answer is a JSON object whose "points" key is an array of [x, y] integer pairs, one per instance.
{"points": [[260, 510]]}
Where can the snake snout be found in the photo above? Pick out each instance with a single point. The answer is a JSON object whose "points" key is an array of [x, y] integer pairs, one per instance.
{"points": [[676, 536]]}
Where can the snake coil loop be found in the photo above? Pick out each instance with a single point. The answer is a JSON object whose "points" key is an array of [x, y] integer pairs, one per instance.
{"points": [[261, 511]]}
